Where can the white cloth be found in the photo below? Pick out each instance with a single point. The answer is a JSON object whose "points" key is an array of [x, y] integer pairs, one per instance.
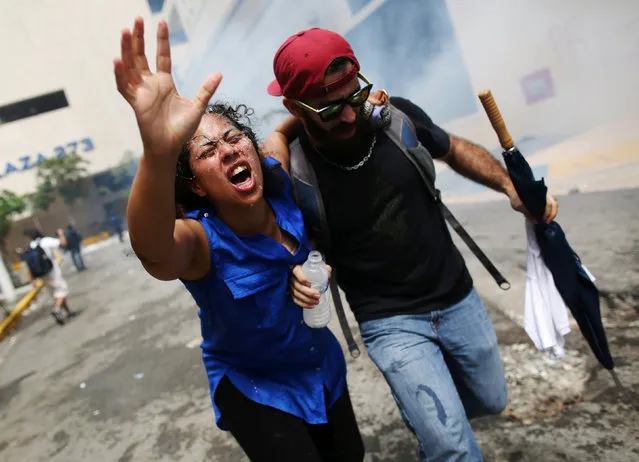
{"points": [[54, 281], [56, 284], [545, 313]]}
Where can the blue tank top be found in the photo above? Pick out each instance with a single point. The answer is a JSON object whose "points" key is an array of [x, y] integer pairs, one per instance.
{"points": [[252, 330]]}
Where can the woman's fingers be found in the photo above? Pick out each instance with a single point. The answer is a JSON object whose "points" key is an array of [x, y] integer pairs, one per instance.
{"points": [[139, 55], [163, 57], [304, 302], [132, 62], [304, 291], [298, 275], [303, 295], [126, 55], [120, 78], [207, 89]]}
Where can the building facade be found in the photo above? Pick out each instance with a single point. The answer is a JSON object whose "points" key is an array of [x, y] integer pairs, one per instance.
{"points": [[555, 68]]}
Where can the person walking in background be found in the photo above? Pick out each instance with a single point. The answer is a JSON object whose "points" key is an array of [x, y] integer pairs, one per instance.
{"points": [[40, 258], [116, 224], [74, 246]]}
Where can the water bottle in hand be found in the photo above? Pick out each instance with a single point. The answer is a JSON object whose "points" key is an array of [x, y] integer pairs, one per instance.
{"points": [[316, 272]]}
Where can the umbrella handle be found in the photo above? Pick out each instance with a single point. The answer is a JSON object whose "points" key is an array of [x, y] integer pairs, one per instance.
{"points": [[492, 111]]}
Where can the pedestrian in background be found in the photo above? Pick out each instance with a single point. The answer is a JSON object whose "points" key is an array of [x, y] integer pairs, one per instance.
{"points": [[40, 258], [74, 246]]}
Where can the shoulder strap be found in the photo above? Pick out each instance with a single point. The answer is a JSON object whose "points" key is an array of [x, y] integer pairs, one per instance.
{"points": [[307, 193], [295, 163], [403, 133], [309, 199], [353, 348]]}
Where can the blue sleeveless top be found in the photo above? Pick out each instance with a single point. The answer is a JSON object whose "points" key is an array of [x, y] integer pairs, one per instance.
{"points": [[252, 330]]}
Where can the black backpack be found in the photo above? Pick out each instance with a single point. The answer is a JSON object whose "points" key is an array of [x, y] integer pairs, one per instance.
{"points": [[38, 261]]}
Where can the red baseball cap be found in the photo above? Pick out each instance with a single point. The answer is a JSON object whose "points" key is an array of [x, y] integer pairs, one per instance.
{"points": [[302, 60]]}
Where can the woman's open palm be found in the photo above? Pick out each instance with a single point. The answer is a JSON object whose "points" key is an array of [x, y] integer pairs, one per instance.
{"points": [[166, 119]]}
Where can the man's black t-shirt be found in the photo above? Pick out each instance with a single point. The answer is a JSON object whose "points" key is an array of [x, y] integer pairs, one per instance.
{"points": [[391, 249]]}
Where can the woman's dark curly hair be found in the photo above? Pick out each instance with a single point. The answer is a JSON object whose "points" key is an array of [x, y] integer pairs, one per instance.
{"points": [[240, 116]]}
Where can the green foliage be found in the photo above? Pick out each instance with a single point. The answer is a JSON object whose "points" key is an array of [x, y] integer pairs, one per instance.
{"points": [[62, 175], [10, 204], [43, 196]]}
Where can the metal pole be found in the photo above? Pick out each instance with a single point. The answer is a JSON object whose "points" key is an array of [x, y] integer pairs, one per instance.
{"points": [[6, 284]]}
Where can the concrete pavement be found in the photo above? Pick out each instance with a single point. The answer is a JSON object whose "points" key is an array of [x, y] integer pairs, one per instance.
{"points": [[124, 381]]}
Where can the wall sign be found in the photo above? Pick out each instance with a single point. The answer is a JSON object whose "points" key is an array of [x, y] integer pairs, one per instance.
{"points": [[538, 86], [29, 161]]}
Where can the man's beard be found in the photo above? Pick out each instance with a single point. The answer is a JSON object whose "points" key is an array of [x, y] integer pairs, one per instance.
{"points": [[340, 150]]}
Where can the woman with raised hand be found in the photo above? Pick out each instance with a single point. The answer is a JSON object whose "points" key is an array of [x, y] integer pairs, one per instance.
{"points": [[207, 208]]}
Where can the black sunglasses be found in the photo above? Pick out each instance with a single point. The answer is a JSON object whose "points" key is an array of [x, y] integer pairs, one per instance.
{"points": [[333, 111]]}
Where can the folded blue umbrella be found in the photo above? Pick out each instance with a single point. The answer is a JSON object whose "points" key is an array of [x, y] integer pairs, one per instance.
{"points": [[573, 281]]}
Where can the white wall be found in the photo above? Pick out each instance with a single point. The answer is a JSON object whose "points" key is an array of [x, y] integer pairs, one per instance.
{"points": [[590, 46], [47, 45]]}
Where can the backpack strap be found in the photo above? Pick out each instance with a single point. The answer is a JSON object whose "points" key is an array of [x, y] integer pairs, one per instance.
{"points": [[307, 193], [309, 198], [403, 133], [353, 348]]}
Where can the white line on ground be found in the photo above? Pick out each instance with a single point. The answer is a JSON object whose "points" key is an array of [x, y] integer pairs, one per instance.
{"points": [[194, 343]]}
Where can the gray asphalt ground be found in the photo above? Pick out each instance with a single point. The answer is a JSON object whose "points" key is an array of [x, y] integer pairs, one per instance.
{"points": [[123, 381]]}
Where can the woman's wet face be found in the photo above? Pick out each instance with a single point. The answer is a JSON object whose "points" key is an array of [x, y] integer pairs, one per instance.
{"points": [[225, 164]]}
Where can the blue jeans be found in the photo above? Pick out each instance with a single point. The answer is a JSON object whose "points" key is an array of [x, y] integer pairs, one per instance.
{"points": [[78, 262], [443, 368]]}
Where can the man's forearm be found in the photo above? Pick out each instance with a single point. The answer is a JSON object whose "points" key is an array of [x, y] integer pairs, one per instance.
{"points": [[477, 164], [289, 127]]}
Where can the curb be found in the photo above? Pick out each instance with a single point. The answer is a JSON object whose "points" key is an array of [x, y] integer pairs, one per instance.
{"points": [[10, 321]]}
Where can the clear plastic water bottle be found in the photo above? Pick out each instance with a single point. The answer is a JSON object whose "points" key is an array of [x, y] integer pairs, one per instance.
{"points": [[316, 271]]}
